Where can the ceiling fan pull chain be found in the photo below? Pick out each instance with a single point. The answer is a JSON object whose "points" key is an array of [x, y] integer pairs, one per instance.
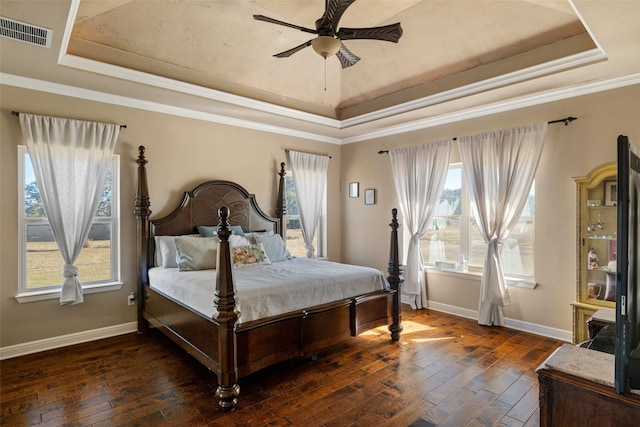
{"points": [[325, 74]]}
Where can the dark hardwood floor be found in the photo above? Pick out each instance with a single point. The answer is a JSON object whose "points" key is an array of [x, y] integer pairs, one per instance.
{"points": [[445, 371]]}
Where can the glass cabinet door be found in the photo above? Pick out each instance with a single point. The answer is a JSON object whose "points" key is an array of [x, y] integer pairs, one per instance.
{"points": [[596, 245]]}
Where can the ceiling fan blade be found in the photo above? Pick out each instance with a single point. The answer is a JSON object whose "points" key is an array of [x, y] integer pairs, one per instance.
{"points": [[346, 57], [286, 24], [290, 52], [390, 33], [333, 12]]}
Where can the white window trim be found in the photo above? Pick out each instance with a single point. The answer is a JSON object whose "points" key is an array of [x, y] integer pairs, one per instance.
{"points": [[48, 294], [53, 291], [515, 282]]}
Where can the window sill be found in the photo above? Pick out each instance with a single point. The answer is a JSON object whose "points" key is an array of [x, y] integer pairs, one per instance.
{"points": [[55, 293], [511, 281]]}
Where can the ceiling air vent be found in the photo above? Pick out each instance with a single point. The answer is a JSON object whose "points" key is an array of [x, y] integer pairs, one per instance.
{"points": [[27, 33]]}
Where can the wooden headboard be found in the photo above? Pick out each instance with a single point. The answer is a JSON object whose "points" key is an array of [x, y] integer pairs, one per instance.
{"points": [[200, 207]]}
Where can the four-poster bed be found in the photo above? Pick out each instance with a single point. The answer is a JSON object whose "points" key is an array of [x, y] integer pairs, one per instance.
{"points": [[226, 344]]}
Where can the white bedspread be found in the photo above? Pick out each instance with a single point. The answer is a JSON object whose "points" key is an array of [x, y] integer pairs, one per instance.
{"points": [[268, 290]]}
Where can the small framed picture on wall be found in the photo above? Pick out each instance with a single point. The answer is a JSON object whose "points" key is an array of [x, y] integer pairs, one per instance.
{"points": [[353, 190], [370, 196]]}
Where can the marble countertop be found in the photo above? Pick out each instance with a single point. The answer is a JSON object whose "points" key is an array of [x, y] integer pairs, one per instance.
{"points": [[581, 362], [604, 315]]}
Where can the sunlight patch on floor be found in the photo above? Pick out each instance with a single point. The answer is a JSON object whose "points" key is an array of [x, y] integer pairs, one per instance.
{"points": [[375, 332], [423, 340], [409, 326]]}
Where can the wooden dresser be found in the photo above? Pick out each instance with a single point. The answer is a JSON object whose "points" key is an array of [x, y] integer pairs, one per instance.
{"points": [[576, 389]]}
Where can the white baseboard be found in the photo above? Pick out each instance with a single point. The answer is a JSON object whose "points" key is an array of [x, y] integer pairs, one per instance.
{"points": [[520, 325], [125, 328], [65, 340]]}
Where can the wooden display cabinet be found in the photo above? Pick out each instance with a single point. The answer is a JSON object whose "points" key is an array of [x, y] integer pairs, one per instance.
{"points": [[596, 228]]}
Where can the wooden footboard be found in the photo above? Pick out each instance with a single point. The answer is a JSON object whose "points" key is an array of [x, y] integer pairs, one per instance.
{"points": [[233, 350]]}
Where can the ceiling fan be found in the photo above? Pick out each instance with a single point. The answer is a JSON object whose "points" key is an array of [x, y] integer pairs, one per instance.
{"points": [[329, 40]]}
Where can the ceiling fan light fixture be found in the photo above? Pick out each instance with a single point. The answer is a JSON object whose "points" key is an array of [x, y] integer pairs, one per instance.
{"points": [[330, 38], [326, 46]]}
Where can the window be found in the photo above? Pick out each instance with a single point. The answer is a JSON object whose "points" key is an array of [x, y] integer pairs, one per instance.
{"points": [[443, 241], [40, 262], [455, 233], [293, 230]]}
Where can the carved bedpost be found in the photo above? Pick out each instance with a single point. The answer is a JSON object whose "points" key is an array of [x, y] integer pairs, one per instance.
{"points": [[281, 207], [142, 212], [395, 279], [225, 303]]}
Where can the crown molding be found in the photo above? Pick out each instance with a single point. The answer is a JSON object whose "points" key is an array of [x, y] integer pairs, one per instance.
{"points": [[114, 71], [92, 95], [551, 67], [500, 107], [485, 110], [332, 127]]}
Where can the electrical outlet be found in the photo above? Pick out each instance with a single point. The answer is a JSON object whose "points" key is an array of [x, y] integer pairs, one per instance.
{"points": [[131, 299]]}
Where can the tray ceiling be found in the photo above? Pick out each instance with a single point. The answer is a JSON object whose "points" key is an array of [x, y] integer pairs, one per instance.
{"points": [[218, 45]]}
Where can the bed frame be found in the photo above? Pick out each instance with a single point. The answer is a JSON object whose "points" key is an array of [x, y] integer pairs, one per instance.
{"points": [[233, 350]]}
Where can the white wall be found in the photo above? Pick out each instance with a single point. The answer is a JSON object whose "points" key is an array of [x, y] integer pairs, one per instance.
{"points": [[358, 234], [181, 152], [569, 151]]}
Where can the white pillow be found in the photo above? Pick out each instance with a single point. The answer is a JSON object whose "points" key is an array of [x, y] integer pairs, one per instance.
{"points": [[274, 247], [235, 240], [158, 253], [247, 256], [196, 253], [166, 251]]}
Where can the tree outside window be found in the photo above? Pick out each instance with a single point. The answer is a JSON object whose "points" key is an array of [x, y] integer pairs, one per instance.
{"points": [[40, 260]]}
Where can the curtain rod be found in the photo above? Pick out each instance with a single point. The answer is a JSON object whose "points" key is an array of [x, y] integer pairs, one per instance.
{"points": [[15, 113], [566, 122], [286, 150]]}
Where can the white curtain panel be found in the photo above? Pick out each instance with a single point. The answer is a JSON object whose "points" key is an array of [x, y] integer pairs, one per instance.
{"points": [[419, 173], [499, 168], [70, 160], [310, 178]]}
